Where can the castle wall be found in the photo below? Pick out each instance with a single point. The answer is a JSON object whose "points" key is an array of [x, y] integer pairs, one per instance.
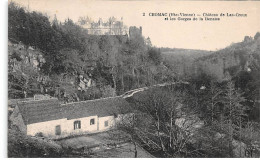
{"points": [[135, 32]]}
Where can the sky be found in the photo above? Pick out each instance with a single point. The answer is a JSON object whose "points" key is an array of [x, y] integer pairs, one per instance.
{"points": [[205, 35]]}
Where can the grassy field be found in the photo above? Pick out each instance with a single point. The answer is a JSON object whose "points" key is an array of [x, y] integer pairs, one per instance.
{"points": [[106, 145]]}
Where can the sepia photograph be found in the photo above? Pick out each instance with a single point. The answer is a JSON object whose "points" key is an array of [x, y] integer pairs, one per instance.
{"points": [[133, 79]]}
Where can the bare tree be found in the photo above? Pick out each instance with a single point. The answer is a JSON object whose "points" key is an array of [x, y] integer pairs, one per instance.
{"points": [[158, 129]]}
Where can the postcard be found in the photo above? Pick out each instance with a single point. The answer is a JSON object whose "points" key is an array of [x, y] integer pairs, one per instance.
{"points": [[133, 79]]}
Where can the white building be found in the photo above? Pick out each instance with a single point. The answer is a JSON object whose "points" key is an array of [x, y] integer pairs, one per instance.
{"points": [[51, 119]]}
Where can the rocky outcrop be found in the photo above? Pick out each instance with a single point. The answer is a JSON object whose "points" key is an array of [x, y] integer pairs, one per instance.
{"points": [[237, 57], [20, 56], [239, 149]]}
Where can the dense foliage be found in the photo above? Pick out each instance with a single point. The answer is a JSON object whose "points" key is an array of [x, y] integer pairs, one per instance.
{"points": [[204, 118], [109, 60]]}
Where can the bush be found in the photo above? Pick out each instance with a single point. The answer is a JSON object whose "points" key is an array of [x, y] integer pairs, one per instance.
{"points": [[39, 134]]}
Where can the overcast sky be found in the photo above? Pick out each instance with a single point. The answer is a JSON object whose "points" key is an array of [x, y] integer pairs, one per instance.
{"points": [[191, 35]]}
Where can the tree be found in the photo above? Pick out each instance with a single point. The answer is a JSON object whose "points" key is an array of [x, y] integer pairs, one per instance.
{"points": [[127, 123], [234, 112], [257, 35], [155, 55], [211, 100], [162, 127]]}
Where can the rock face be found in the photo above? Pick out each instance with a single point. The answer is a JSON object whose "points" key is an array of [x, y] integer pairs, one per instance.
{"points": [[239, 149], [20, 56], [219, 136], [237, 57], [190, 124], [85, 82]]}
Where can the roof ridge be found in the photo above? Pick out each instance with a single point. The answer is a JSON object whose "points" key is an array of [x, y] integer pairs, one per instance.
{"points": [[91, 100], [37, 100]]}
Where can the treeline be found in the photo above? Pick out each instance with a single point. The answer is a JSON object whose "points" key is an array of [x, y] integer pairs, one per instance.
{"points": [[110, 60]]}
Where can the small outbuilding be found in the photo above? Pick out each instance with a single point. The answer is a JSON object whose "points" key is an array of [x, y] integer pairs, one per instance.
{"points": [[51, 119]]}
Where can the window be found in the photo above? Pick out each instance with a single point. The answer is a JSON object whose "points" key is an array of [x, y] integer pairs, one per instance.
{"points": [[77, 125], [106, 123], [92, 121], [57, 130]]}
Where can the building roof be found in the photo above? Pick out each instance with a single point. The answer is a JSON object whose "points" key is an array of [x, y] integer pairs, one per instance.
{"points": [[13, 102], [100, 107], [35, 111], [41, 110]]}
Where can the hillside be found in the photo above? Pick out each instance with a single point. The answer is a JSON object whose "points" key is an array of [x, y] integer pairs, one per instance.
{"points": [[239, 62], [242, 56], [181, 60], [61, 59]]}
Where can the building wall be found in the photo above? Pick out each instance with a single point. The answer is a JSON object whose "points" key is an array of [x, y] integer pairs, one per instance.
{"points": [[17, 120], [67, 126], [47, 127], [111, 123], [135, 32], [85, 125]]}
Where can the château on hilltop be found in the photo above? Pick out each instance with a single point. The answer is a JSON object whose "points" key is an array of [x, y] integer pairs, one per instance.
{"points": [[110, 27]]}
